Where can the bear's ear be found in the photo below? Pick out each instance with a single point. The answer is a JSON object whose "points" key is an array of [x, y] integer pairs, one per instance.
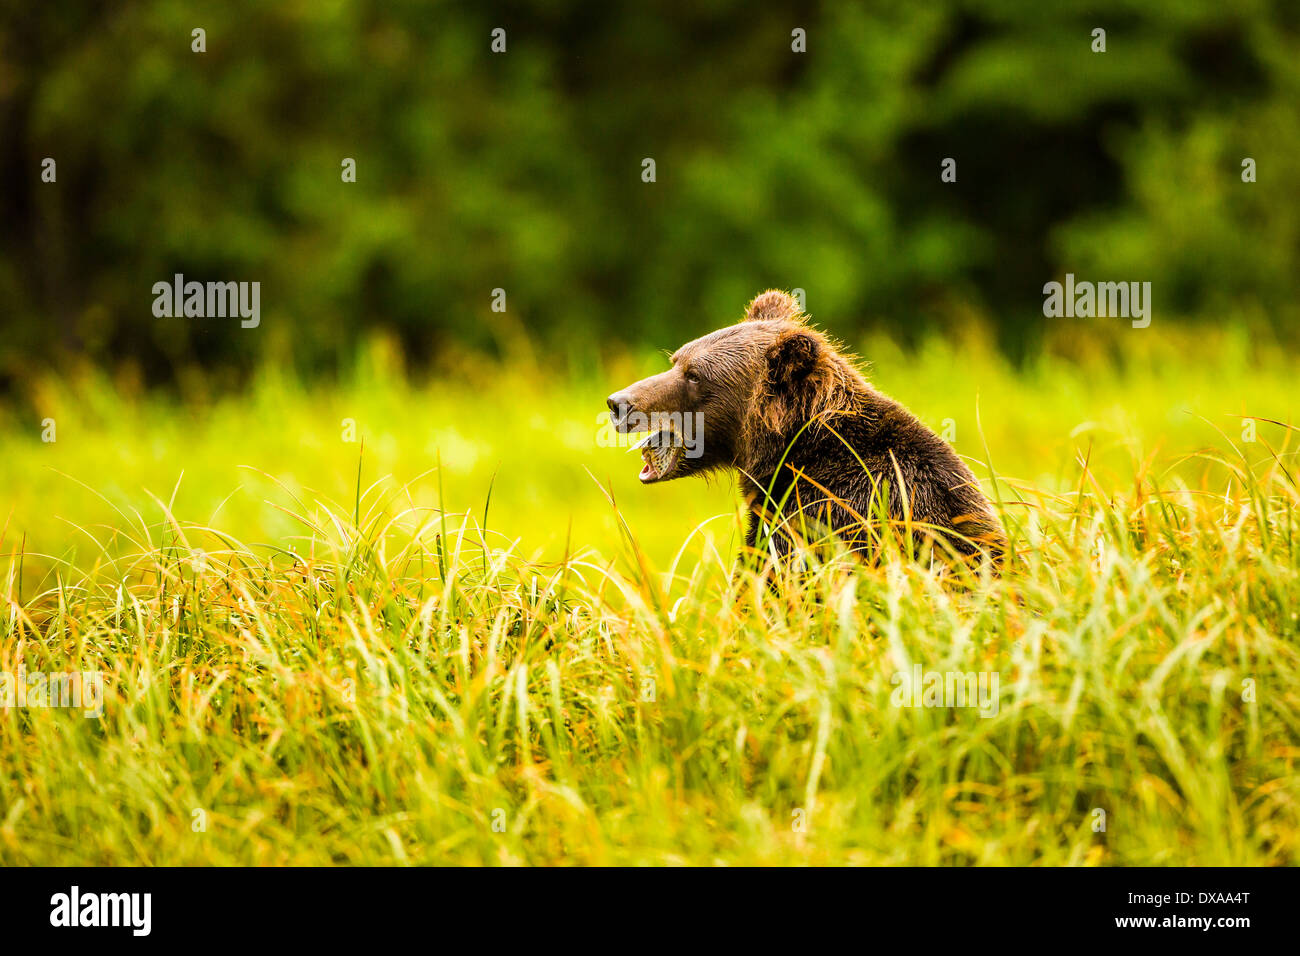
{"points": [[791, 358], [790, 387], [772, 304]]}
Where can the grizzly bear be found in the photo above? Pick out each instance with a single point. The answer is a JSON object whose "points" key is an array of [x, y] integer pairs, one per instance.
{"points": [[819, 451]]}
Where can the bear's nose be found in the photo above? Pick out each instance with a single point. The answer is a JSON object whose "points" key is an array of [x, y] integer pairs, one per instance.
{"points": [[620, 405]]}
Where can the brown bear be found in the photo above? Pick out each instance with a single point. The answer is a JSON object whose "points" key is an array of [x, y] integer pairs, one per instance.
{"points": [[817, 449]]}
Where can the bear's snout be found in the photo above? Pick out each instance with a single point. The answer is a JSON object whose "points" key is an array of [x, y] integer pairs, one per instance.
{"points": [[631, 408], [619, 403], [620, 406]]}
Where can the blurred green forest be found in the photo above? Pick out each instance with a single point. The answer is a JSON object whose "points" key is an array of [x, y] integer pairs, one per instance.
{"points": [[522, 171]]}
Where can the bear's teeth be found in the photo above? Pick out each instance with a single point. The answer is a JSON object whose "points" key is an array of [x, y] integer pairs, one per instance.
{"points": [[658, 451]]}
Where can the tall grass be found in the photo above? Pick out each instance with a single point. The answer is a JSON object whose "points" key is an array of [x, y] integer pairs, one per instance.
{"points": [[397, 676]]}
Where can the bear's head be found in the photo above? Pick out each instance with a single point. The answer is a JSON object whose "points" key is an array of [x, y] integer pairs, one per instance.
{"points": [[736, 393]]}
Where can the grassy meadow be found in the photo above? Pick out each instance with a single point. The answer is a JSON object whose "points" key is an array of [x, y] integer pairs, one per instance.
{"points": [[404, 621]]}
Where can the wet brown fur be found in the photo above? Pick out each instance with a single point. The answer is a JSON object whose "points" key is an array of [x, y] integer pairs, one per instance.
{"points": [[796, 418]]}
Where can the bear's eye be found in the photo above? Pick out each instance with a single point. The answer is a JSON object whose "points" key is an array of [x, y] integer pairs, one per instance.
{"points": [[693, 377]]}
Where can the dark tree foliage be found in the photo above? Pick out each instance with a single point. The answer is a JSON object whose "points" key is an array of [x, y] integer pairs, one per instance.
{"points": [[523, 170]]}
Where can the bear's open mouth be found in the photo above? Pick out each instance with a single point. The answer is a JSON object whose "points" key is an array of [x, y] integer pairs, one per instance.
{"points": [[661, 451]]}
